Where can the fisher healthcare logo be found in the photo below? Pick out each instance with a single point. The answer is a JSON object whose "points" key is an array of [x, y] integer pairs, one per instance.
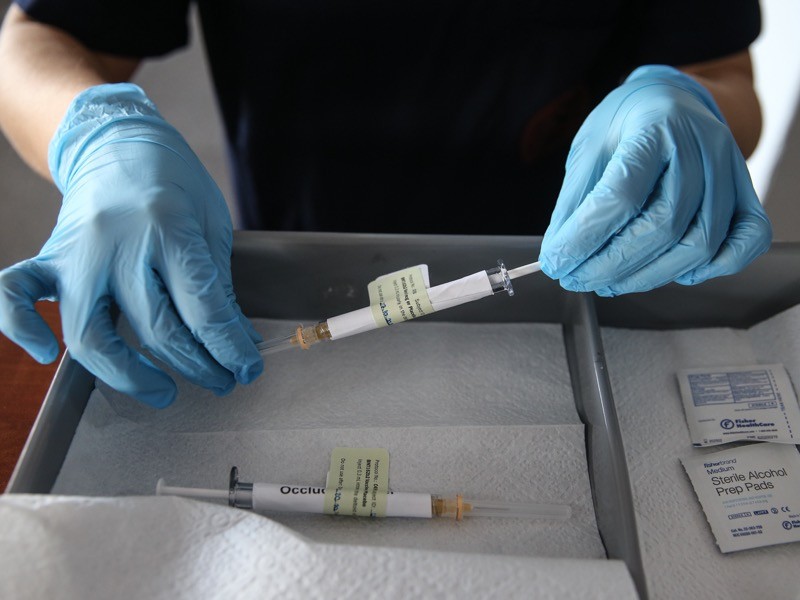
{"points": [[793, 523], [744, 424]]}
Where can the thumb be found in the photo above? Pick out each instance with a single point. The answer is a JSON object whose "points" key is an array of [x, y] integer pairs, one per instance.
{"points": [[22, 285]]}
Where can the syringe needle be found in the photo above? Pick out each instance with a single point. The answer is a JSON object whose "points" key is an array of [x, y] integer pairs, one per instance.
{"points": [[303, 337]]}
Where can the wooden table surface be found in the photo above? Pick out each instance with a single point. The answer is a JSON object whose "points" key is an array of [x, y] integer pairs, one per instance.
{"points": [[23, 385]]}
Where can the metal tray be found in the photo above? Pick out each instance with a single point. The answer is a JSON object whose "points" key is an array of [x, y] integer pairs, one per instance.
{"points": [[323, 273]]}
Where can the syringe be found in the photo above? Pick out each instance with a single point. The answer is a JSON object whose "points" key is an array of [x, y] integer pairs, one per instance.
{"points": [[460, 291], [266, 498]]}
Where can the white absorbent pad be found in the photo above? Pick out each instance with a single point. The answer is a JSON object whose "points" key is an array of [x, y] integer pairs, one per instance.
{"points": [[482, 410], [681, 559], [170, 548], [414, 373]]}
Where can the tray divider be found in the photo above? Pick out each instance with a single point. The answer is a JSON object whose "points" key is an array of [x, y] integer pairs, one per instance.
{"points": [[608, 471]]}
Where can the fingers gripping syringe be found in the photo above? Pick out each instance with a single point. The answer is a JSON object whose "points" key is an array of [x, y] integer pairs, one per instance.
{"points": [[460, 291], [270, 497]]}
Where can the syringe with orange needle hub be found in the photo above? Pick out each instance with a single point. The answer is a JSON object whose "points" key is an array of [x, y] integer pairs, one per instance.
{"points": [[400, 301], [267, 498]]}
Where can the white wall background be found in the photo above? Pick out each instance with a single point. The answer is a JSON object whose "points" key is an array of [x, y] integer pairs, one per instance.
{"points": [[776, 63]]}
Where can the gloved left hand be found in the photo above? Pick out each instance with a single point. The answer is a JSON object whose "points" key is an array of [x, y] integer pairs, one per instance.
{"points": [[656, 190], [143, 225]]}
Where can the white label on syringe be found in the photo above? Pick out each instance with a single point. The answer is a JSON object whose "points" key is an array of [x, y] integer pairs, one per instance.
{"points": [[269, 497], [399, 296], [274, 497]]}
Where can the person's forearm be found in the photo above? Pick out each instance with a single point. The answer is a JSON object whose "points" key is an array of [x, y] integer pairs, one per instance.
{"points": [[730, 81], [41, 70]]}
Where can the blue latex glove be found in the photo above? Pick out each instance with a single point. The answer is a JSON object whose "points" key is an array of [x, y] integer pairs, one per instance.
{"points": [[656, 190], [141, 223]]}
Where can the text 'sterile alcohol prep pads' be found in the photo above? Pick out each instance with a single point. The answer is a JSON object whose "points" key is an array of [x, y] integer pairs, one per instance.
{"points": [[732, 404], [750, 494]]}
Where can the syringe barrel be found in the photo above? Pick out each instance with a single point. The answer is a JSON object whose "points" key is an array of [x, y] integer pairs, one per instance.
{"points": [[447, 295], [274, 497], [352, 323], [499, 278], [469, 288], [266, 498]]}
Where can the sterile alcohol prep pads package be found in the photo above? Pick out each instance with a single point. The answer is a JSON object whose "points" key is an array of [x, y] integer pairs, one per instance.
{"points": [[732, 404], [750, 494]]}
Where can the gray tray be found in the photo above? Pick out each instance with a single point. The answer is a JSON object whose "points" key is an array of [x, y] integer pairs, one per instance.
{"points": [[293, 275]]}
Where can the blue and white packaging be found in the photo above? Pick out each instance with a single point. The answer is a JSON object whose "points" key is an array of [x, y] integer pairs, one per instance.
{"points": [[750, 494], [733, 404]]}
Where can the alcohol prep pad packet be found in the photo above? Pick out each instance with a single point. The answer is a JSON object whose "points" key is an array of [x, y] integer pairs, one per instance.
{"points": [[732, 404], [750, 494]]}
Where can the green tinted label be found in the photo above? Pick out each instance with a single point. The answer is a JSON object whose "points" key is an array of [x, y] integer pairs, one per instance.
{"points": [[358, 482], [399, 296]]}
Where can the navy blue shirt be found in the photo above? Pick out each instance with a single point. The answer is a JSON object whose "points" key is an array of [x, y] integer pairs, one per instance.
{"points": [[434, 116]]}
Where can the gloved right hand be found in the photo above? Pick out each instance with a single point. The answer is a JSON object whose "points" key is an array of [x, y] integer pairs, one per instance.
{"points": [[143, 224], [656, 190]]}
